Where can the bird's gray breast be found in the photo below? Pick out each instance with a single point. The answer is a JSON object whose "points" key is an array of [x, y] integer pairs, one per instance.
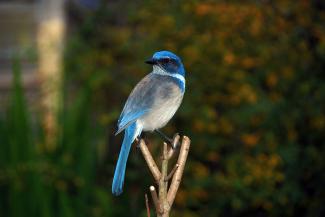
{"points": [[159, 95], [166, 99]]}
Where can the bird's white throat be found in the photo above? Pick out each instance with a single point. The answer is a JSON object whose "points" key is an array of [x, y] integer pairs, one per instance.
{"points": [[159, 71]]}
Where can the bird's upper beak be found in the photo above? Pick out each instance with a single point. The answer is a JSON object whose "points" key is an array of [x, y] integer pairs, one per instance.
{"points": [[151, 61]]}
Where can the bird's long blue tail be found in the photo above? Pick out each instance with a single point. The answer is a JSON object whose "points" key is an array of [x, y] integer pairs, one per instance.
{"points": [[130, 134]]}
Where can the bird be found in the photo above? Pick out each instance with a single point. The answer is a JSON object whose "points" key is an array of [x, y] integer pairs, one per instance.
{"points": [[150, 105]]}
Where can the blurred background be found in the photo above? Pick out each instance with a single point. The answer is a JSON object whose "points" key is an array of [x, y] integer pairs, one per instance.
{"points": [[253, 108]]}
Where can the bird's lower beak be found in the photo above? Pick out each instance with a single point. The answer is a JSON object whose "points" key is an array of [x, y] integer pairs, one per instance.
{"points": [[151, 61]]}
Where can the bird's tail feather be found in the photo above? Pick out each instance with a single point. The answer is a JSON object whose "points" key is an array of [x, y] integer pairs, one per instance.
{"points": [[129, 136]]}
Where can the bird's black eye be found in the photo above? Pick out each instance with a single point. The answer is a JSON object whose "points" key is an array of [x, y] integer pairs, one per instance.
{"points": [[165, 60]]}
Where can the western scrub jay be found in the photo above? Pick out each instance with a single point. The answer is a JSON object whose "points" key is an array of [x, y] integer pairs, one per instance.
{"points": [[151, 104]]}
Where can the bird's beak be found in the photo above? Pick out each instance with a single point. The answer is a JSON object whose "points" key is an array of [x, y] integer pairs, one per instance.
{"points": [[151, 61]]}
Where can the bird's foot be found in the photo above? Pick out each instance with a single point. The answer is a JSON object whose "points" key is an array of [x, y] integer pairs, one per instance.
{"points": [[138, 139]]}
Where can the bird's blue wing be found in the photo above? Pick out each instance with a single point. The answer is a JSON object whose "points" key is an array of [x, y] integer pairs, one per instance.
{"points": [[128, 119]]}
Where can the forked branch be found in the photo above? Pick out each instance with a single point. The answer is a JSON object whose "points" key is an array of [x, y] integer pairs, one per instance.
{"points": [[165, 199]]}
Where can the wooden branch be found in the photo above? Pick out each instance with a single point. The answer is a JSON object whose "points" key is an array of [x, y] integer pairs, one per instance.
{"points": [[179, 172], [170, 175], [163, 185], [150, 161], [164, 201], [154, 197], [147, 205]]}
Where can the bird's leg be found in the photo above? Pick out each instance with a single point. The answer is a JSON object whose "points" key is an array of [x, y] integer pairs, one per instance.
{"points": [[167, 139], [164, 137]]}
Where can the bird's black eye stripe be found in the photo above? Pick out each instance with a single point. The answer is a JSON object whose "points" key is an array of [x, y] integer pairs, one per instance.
{"points": [[167, 60]]}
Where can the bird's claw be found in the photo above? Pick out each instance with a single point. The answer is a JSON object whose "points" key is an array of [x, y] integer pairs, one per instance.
{"points": [[175, 142], [137, 140]]}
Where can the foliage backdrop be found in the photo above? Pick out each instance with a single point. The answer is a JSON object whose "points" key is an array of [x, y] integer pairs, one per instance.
{"points": [[254, 109]]}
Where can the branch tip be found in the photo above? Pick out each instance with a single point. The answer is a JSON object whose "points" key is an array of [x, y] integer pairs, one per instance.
{"points": [[165, 151], [155, 199], [147, 205], [176, 141]]}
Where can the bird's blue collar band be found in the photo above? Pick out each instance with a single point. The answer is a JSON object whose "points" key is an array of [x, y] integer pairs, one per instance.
{"points": [[159, 71]]}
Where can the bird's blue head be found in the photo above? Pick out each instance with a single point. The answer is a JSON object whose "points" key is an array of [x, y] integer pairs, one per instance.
{"points": [[168, 61]]}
